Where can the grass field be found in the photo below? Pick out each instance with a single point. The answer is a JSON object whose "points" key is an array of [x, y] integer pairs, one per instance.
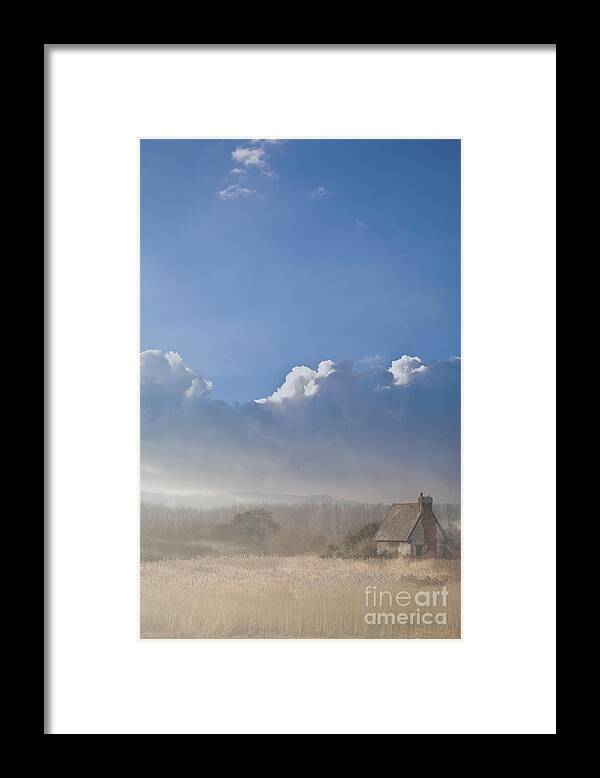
{"points": [[251, 596]]}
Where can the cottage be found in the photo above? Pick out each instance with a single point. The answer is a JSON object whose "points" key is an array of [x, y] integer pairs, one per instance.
{"points": [[410, 529]]}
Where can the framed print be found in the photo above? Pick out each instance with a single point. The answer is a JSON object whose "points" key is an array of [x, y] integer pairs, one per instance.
{"points": [[300, 385]]}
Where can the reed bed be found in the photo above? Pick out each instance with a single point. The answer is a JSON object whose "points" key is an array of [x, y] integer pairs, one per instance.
{"points": [[257, 596]]}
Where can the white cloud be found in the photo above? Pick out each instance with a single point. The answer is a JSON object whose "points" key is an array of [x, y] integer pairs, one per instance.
{"points": [[164, 373], [320, 192], [251, 157], [270, 141], [404, 369], [237, 192], [237, 171], [301, 381], [198, 388]]}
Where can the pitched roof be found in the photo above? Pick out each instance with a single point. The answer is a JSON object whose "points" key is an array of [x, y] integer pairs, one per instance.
{"points": [[399, 522]]}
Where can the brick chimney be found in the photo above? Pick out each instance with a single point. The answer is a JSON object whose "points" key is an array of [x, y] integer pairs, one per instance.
{"points": [[429, 527]]}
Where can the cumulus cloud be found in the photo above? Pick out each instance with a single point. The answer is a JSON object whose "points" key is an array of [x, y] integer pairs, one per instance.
{"points": [[165, 377], [329, 429], [404, 369], [301, 381], [237, 171], [237, 192]]}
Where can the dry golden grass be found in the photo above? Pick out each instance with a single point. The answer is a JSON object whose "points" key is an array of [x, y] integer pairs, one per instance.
{"points": [[245, 596]]}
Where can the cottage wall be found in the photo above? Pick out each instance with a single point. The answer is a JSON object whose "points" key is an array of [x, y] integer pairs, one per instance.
{"points": [[418, 534], [393, 548]]}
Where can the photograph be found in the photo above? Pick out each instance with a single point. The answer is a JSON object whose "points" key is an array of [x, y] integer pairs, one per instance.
{"points": [[300, 388], [300, 384]]}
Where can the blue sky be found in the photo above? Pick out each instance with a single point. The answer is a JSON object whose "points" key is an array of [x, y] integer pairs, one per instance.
{"points": [[317, 250]]}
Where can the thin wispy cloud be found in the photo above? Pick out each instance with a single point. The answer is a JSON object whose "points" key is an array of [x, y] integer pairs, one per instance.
{"points": [[369, 361], [270, 141], [320, 192], [254, 157], [237, 192], [251, 157]]}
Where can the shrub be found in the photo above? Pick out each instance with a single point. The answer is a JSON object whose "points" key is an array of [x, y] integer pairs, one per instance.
{"points": [[251, 528], [360, 544]]}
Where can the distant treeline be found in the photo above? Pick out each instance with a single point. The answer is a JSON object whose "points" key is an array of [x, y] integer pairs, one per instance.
{"points": [[302, 527]]}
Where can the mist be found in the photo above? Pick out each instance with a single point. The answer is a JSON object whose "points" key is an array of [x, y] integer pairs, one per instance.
{"points": [[359, 431]]}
